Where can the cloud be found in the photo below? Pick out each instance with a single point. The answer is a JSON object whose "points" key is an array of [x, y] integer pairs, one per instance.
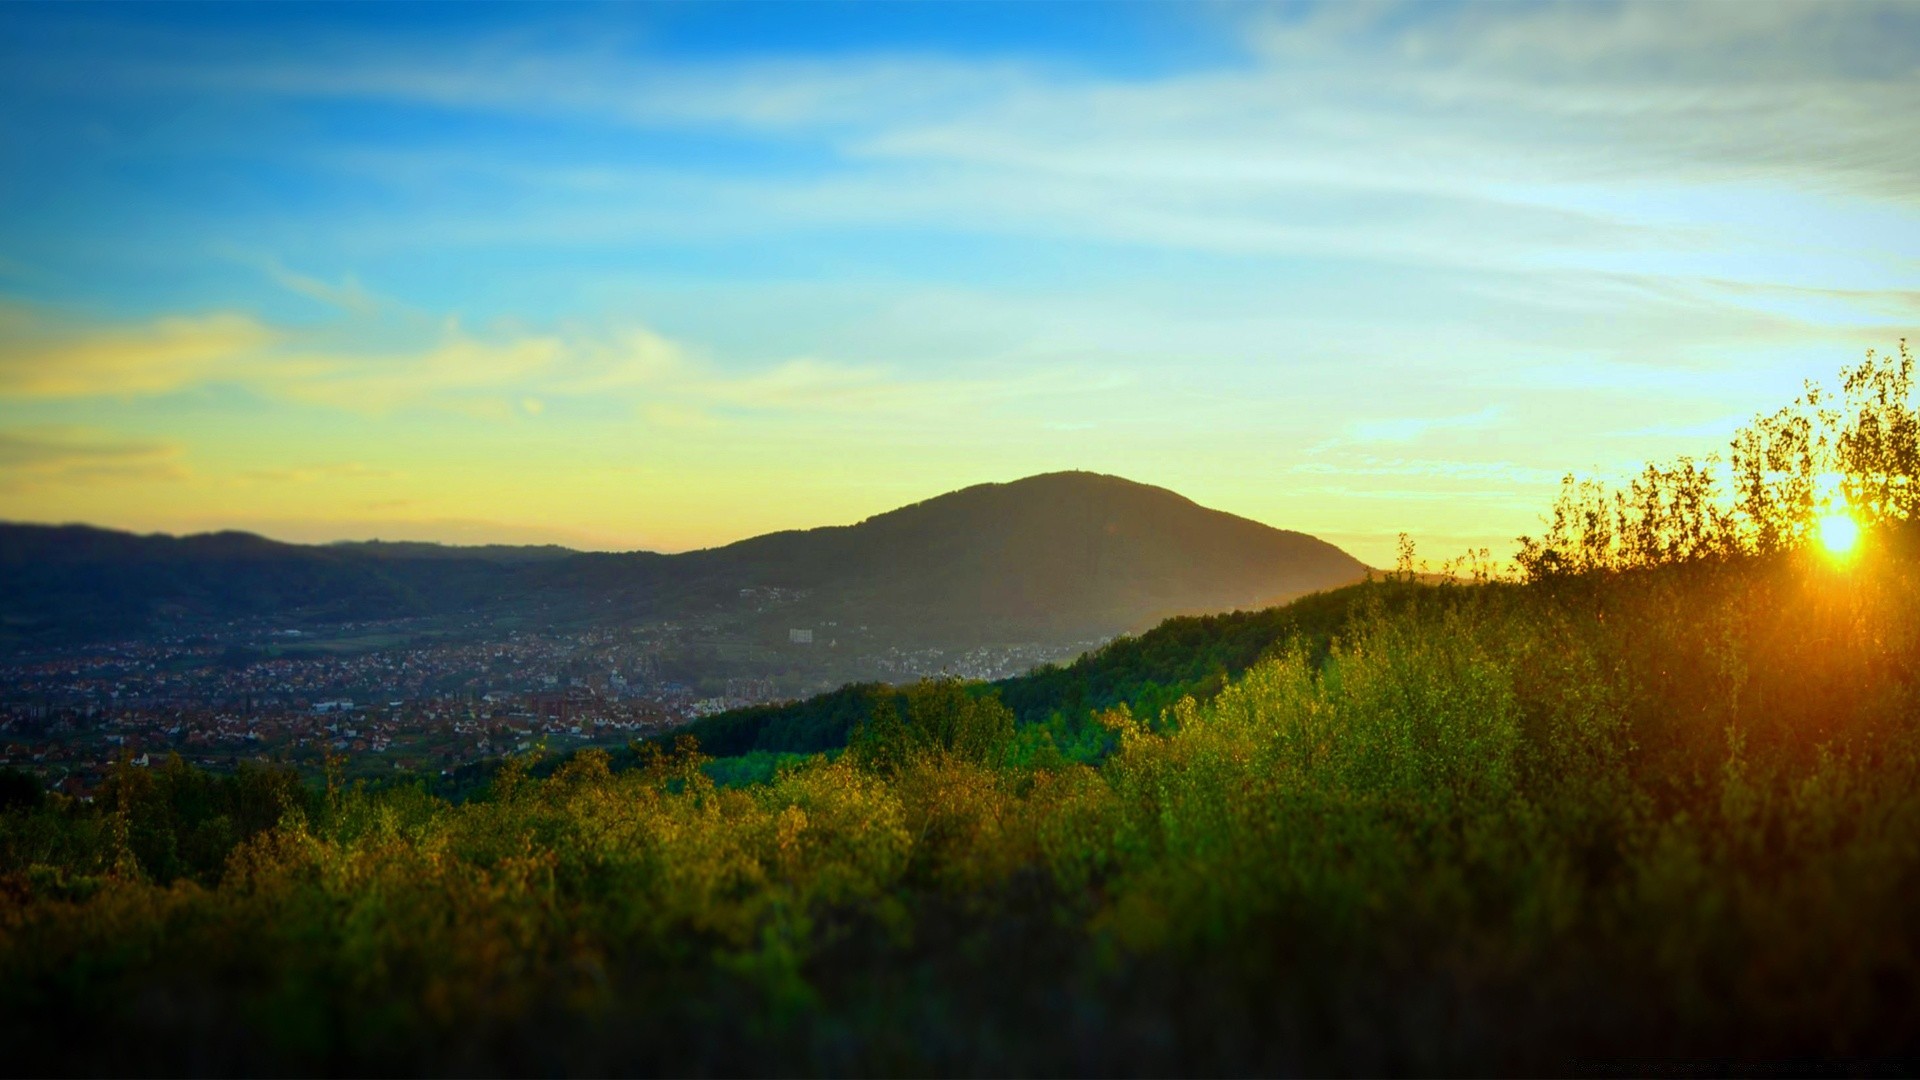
{"points": [[1500, 497], [500, 374], [1823, 308], [349, 295], [1625, 90], [1694, 81], [1413, 428], [43, 359], [676, 417], [45, 457], [768, 93], [806, 385], [1533, 139], [306, 474], [1554, 138], [46, 357], [623, 358], [1440, 469], [1718, 428], [459, 371], [1594, 217], [1453, 135]]}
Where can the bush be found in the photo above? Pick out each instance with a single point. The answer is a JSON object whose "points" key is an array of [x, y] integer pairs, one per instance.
{"points": [[1661, 802]]}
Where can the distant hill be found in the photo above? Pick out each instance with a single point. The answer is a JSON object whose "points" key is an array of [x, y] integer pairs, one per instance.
{"points": [[1058, 557], [414, 549], [69, 583]]}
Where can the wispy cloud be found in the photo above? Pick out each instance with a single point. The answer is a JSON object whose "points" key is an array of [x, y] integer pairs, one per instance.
{"points": [[1671, 140], [1379, 247], [495, 374], [43, 457], [460, 371], [348, 295], [1431, 468], [1407, 429], [319, 472], [44, 358], [770, 93]]}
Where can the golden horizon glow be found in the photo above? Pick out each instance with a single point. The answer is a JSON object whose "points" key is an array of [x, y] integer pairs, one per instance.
{"points": [[662, 277]]}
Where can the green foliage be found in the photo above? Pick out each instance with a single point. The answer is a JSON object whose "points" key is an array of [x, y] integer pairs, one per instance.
{"points": [[1190, 657], [1879, 447], [942, 718], [158, 824], [1186, 657], [1786, 470], [1588, 812], [804, 727], [1666, 809], [745, 770]]}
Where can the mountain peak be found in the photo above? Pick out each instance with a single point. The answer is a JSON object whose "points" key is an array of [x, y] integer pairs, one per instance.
{"points": [[1075, 554]]}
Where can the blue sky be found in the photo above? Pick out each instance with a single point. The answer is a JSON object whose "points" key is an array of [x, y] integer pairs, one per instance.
{"points": [[668, 275]]}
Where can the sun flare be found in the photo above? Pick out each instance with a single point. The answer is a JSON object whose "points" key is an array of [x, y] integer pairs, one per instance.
{"points": [[1839, 534]]}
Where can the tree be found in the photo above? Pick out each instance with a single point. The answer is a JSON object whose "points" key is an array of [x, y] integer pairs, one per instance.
{"points": [[1879, 450], [942, 718]]}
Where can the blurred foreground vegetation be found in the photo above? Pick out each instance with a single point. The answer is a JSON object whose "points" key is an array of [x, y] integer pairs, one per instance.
{"points": [[1657, 802]]}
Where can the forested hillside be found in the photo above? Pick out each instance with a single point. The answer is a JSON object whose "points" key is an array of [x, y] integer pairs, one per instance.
{"points": [[1657, 798], [1189, 656]]}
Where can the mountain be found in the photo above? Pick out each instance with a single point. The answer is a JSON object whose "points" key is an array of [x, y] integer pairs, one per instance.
{"points": [[1061, 555], [1057, 557]]}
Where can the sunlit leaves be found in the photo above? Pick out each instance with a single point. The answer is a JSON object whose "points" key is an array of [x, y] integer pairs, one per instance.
{"points": [[1790, 477]]}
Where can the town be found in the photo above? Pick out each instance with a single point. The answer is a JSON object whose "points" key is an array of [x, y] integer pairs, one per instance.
{"points": [[398, 698]]}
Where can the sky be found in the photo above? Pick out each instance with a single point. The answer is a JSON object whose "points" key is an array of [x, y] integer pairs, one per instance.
{"points": [[667, 276]]}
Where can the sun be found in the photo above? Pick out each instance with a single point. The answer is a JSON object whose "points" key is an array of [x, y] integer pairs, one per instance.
{"points": [[1839, 534]]}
